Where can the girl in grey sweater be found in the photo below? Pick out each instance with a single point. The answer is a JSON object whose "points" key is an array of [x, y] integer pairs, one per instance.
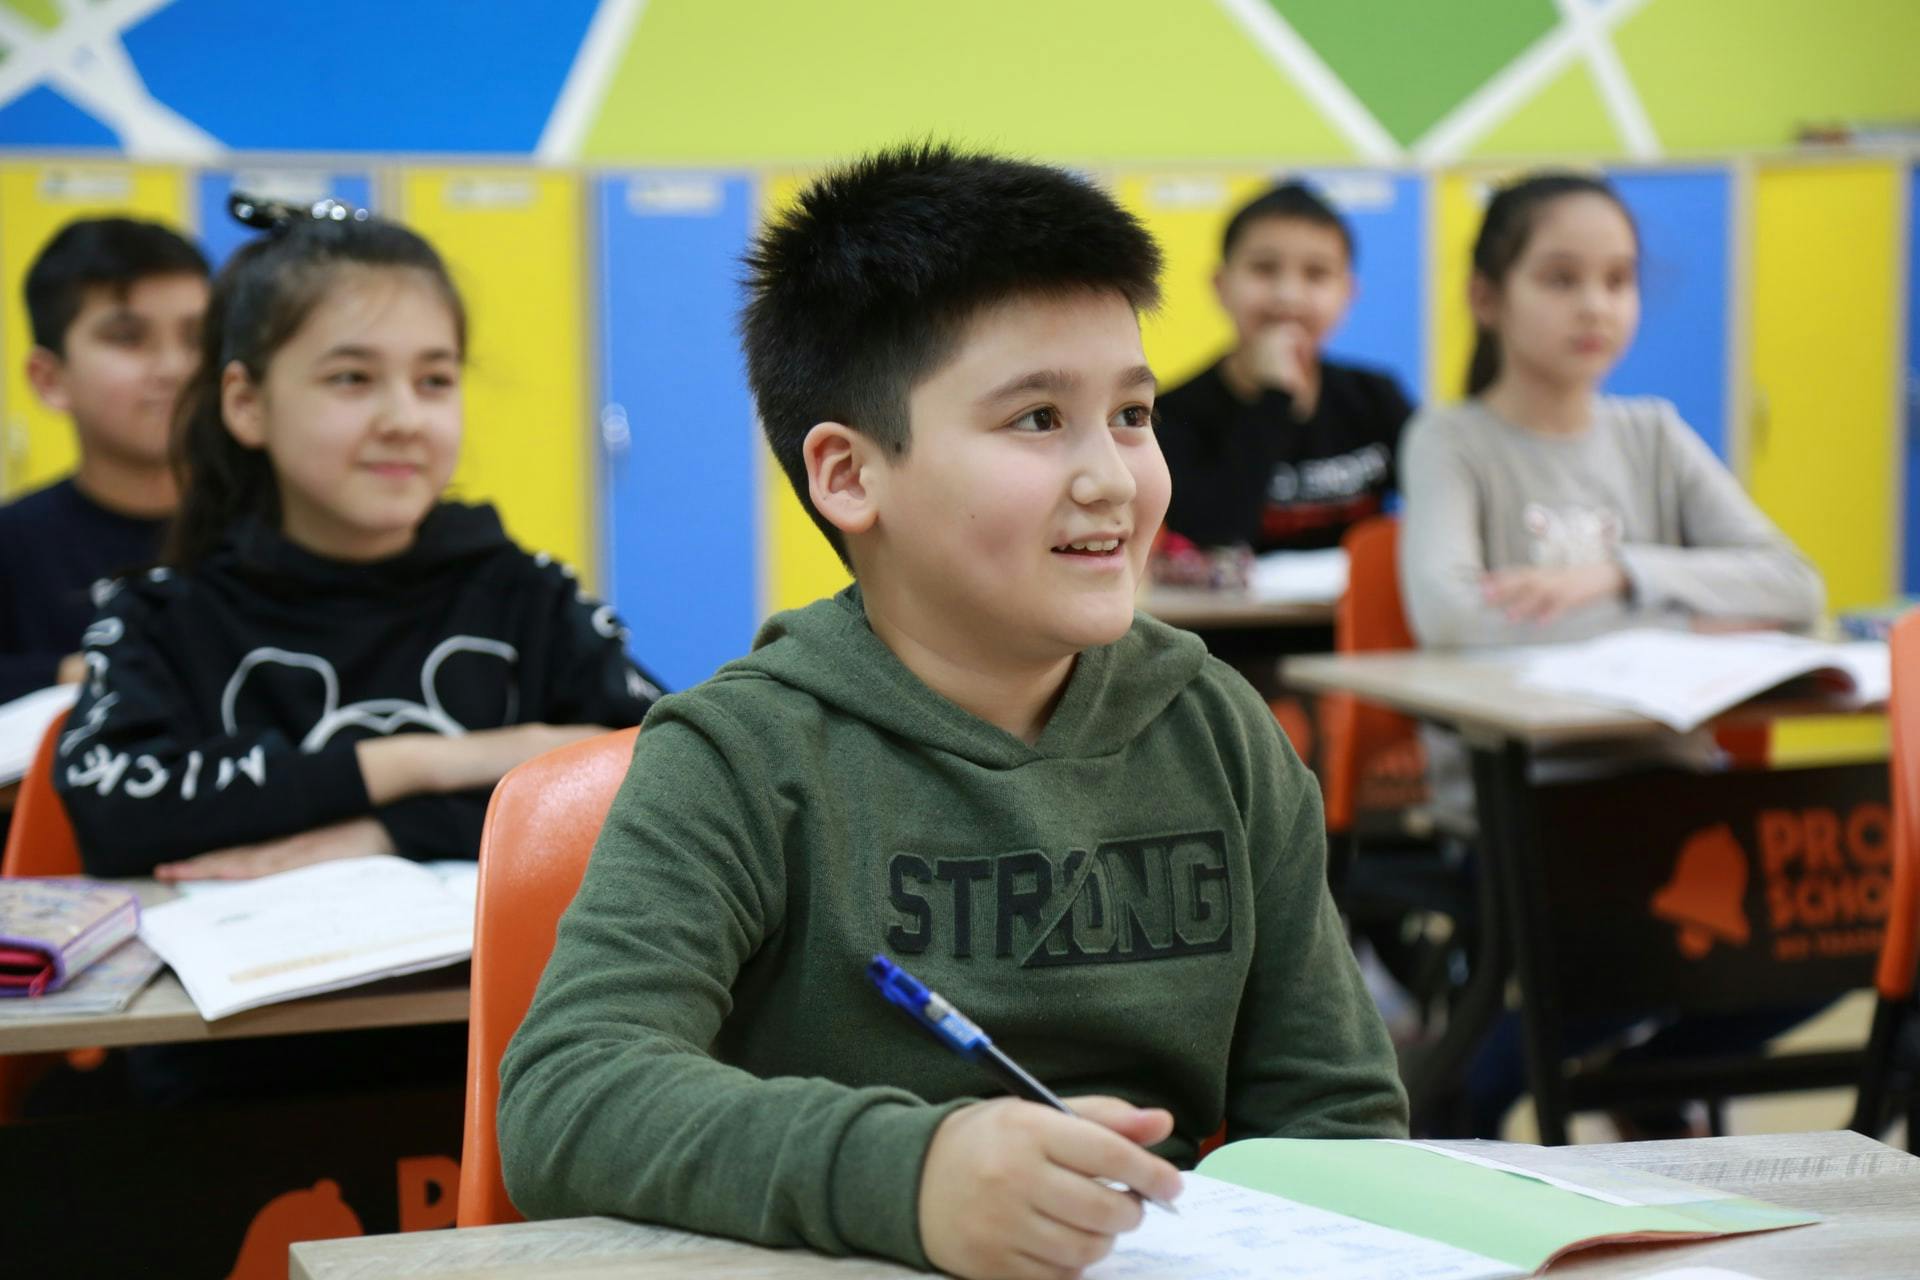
{"points": [[1540, 510]]}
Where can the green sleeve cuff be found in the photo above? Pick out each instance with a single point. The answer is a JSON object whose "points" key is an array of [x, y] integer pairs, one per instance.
{"points": [[875, 1184]]}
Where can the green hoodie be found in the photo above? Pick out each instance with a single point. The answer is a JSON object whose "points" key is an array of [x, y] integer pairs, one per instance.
{"points": [[1136, 904]]}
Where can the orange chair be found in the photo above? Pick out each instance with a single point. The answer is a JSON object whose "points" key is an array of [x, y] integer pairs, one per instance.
{"points": [[39, 843], [541, 825], [1363, 743], [1893, 1048], [41, 840]]}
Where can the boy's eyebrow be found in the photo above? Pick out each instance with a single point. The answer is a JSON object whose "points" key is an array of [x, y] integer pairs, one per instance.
{"points": [[1051, 381]]}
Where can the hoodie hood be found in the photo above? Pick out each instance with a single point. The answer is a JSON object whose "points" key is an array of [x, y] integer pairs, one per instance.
{"points": [[829, 651], [452, 534]]}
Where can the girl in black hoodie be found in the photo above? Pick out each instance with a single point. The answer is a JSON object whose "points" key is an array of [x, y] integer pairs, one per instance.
{"points": [[331, 661]]}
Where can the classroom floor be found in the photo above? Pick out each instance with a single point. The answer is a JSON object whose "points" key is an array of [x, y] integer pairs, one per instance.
{"points": [[1841, 1027]]}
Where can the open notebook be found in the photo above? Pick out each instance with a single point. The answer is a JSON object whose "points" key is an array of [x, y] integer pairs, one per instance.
{"points": [[1683, 680], [24, 721], [240, 944], [1275, 1209]]}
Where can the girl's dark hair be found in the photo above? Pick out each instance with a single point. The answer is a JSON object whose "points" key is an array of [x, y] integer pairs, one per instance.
{"points": [[259, 300], [1511, 217]]}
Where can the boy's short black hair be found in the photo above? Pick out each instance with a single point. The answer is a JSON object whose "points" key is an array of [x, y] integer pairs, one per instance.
{"points": [[93, 252], [1292, 199], [863, 287]]}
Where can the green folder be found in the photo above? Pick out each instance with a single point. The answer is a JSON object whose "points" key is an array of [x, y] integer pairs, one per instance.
{"points": [[1509, 1217]]}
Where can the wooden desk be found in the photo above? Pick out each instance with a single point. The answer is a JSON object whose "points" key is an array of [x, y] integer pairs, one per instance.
{"points": [[1200, 609], [1478, 694], [1868, 1192], [162, 1014], [1503, 722]]}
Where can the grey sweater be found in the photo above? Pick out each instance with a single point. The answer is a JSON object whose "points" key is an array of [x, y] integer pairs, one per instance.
{"points": [[1638, 487]]}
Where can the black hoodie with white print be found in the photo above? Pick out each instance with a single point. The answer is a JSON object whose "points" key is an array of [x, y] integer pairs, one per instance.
{"points": [[222, 705]]}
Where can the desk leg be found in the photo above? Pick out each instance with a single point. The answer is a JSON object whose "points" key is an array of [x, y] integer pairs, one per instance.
{"points": [[1514, 861], [1436, 1075]]}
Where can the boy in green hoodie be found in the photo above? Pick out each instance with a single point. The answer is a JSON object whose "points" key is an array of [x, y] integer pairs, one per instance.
{"points": [[979, 760]]}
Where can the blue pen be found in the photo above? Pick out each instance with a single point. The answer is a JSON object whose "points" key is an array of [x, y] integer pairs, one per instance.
{"points": [[953, 1029]]}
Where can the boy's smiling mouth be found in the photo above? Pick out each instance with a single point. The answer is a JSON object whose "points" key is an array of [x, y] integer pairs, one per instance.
{"points": [[1096, 548]]}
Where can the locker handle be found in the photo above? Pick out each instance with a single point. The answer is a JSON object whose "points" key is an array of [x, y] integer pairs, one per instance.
{"points": [[616, 434], [1762, 419]]}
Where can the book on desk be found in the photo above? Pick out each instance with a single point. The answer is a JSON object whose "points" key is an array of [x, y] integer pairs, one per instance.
{"points": [[238, 945], [1683, 679], [1376, 1209]]}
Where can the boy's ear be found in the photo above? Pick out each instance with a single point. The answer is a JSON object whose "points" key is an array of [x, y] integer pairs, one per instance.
{"points": [[1220, 285], [47, 375], [240, 406], [838, 459]]}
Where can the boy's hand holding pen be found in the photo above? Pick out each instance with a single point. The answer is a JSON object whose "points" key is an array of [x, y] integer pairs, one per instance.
{"points": [[1028, 1188]]}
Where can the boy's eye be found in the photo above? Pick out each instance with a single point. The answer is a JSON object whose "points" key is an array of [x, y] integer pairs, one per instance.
{"points": [[346, 378], [1136, 416], [1045, 418], [439, 381]]}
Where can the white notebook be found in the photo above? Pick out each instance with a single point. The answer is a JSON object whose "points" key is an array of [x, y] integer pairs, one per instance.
{"points": [[24, 721], [319, 928], [1299, 577], [1683, 680]]}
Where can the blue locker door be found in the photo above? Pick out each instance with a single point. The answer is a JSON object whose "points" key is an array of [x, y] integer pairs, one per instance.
{"points": [[680, 507], [1386, 327], [220, 235], [1682, 349]]}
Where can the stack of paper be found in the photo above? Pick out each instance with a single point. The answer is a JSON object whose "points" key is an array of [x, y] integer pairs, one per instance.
{"points": [[1683, 680], [320, 928]]}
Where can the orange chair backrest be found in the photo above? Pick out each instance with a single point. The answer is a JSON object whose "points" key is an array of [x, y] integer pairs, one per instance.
{"points": [[541, 825], [41, 840], [1369, 617], [1901, 951]]}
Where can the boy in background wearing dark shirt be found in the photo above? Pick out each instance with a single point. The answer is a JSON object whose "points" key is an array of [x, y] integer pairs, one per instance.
{"points": [[115, 307], [1274, 446]]}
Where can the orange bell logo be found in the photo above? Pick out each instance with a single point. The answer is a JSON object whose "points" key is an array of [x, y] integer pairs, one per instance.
{"points": [[1707, 893], [312, 1213]]}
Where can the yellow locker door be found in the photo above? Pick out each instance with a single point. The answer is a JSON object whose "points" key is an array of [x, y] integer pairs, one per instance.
{"points": [[1822, 443], [1459, 202], [37, 199], [800, 564], [513, 240], [1187, 214]]}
